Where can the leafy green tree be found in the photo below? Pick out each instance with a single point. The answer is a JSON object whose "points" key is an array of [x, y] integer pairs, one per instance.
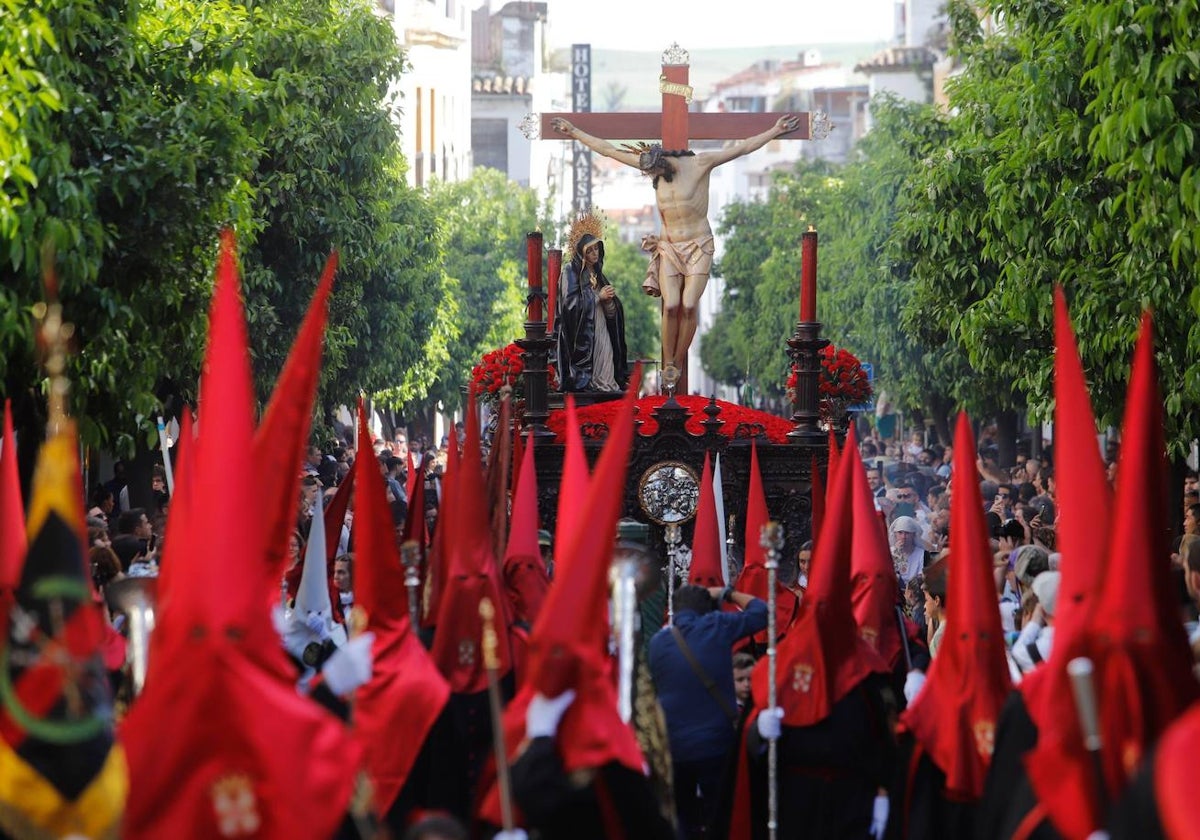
{"points": [[331, 176], [761, 269], [1142, 80], [865, 277], [121, 152], [1071, 163], [909, 329], [483, 221], [135, 133]]}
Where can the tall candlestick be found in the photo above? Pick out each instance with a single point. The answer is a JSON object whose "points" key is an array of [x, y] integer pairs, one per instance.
{"points": [[808, 275], [533, 249], [553, 269]]}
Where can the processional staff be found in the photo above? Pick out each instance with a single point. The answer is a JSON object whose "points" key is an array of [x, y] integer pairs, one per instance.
{"points": [[672, 536], [1083, 687], [624, 604], [772, 541], [491, 662], [410, 557]]}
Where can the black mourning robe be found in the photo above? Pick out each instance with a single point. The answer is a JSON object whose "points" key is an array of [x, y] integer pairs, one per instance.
{"points": [[577, 332]]}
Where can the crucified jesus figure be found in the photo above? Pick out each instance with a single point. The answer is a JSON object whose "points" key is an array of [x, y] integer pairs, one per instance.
{"points": [[682, 256]]}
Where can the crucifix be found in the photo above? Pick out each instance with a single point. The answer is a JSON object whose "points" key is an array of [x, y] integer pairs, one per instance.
{"points": [[681, 257]]}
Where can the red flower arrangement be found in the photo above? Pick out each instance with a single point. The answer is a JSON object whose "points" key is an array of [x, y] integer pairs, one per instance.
{"points": [[502, 367], [843, 382], [775, 428]]}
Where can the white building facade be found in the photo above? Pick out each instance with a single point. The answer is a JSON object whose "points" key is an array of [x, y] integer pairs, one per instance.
{"points": [[436, 91]]}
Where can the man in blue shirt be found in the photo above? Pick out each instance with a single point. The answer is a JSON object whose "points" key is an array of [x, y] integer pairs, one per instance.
{"points": [[694, 681]]}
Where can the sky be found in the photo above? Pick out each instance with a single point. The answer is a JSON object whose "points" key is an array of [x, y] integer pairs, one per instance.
{"points": [[709, 24]]}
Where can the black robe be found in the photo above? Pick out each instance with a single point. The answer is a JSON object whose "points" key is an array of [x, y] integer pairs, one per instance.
{"points": [[830, 772], [1008, 798], [920, 808], [577, 332], [1136, 815], [614, 803]]}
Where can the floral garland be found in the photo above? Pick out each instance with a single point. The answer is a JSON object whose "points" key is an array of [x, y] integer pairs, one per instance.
{"points": [[500, 368], [735, 416], [843, 382]]}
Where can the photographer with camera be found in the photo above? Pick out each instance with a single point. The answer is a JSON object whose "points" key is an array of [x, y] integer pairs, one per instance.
{"points": [[693, 674]]}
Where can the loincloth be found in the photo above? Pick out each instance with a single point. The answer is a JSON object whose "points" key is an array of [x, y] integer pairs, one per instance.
{"points": [[691, 256]]}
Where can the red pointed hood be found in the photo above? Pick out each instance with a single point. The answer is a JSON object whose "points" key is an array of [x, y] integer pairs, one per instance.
{"points": [[835, 453], [471, 574], [873, 577], [498, 466], [414, 518], [396, 708], [198, 598], [568, 646], [518, 458], [410, 477], [706, 539], [436, 575], [334, 518], [217, 720], [821, 489], [753, 578], [282, 436], [757, 517], [823, 657], [1083, 499], [1174, 777], [954, 717], [574, 484], [1083, 496], [524, 572], [819, 493], [12, 511], [1142, 664]]}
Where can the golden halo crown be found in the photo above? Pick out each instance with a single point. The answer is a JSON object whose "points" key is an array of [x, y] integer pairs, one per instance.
{"points": [[591, 222]]}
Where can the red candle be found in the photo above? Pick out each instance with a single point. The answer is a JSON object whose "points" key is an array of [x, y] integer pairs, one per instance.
{"points": [[808, 275], [533, 253], [553, 269]]}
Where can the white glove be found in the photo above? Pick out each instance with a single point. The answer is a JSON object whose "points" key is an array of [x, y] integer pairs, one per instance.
{"points": [[879, 817], [770, 723], [350, 665], [511, 834], [279, 620], [912, 685], [1098, 835], [544, 713], [317, 625]]}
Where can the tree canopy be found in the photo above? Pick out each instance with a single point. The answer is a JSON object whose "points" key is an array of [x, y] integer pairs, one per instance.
{"points": [[136, 132], [124, 154], [1070, 161], [331, 177], [483, 222], [1067, 156]]}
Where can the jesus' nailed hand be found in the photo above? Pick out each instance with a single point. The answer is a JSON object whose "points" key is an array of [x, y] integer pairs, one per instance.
{"points": [[682, 261]]}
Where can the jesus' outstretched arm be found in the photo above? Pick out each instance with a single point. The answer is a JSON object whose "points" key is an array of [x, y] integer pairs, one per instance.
{"points": [[601, 147], [785, 124]]}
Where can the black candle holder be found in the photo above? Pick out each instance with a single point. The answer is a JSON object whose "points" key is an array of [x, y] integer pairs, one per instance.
{"points": [[805, 347], [536, 346]]}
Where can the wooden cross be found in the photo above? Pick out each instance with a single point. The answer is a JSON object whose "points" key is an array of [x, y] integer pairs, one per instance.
{"points": [[675, 125]]}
